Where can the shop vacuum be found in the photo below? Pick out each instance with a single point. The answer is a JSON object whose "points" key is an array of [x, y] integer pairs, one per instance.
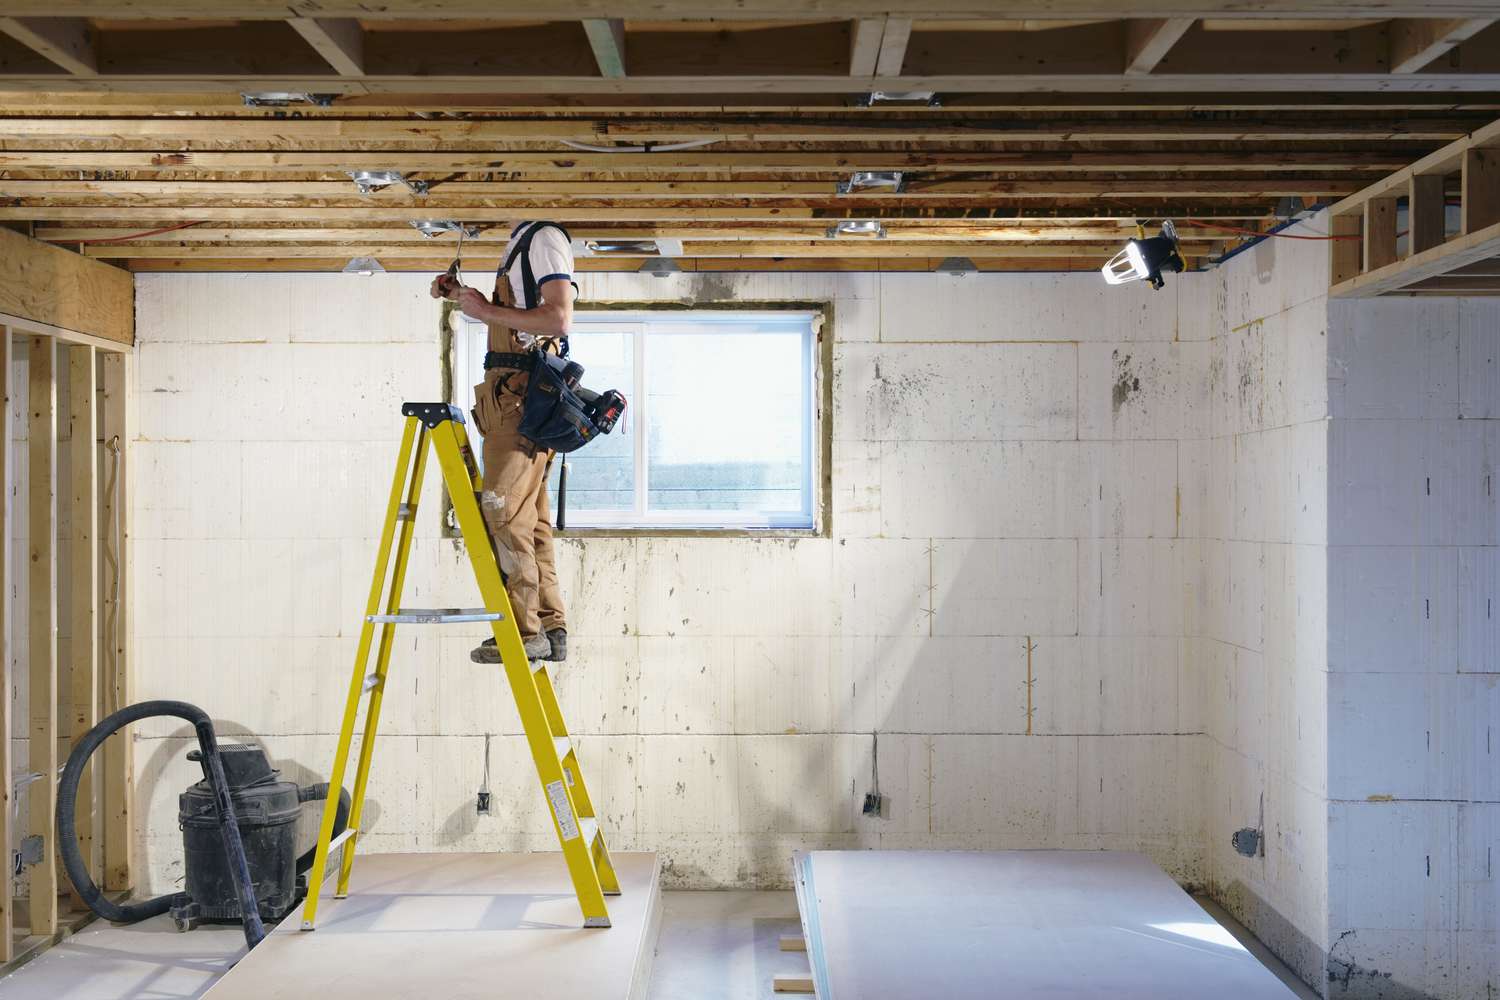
{"points": [[239, 831]]}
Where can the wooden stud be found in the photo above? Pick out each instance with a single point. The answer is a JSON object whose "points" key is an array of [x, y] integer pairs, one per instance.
{"points": [[607, 39], [41, 755], [1147, 41], [1380, 233], [117, 418], [893, 42], [340, 41], [66, 41], [1426, 212], [83, 583], [1481, 189], [1344, 254], [7, 680], [1418, 42], [792, 983], [792, 942]]}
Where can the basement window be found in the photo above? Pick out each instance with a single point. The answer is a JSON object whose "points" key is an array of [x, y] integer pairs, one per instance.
{"points": [[720, 428]]}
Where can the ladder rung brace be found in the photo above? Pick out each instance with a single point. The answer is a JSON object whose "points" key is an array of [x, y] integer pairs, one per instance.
{"points": [[564, 745], [338, 841], [372, 682], [436, 616], [406, 512], [588, 827]]}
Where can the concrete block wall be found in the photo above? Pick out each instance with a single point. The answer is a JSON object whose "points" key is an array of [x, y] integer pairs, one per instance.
{"points": [[1414, 679], [1255, 522], [1000, 597]]}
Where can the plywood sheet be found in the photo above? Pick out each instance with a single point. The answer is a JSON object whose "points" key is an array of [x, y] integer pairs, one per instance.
{"points": [[896, 925], [59, 288], [460, 926]]}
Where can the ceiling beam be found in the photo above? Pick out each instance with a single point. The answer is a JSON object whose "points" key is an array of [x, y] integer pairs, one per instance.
{"points": [[893, 44], [995, 230], [650, 214], [1416, 44], [457, 195], [1148, 41], [66, 41], [839, 162], [810, 10], [607, 39], [288, 133], [1247, 78], [339, 40]]}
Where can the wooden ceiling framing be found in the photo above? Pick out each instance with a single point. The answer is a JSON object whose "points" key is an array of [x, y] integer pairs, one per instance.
{"points": [[1053, 126]]}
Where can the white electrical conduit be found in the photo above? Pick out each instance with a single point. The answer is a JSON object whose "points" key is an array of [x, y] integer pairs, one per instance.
{"points": [[671, 147]]}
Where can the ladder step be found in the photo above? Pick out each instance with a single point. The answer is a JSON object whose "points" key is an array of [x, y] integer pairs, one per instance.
{"points": [[564, 745], [436, 616], [338, 841], [372, 682]]}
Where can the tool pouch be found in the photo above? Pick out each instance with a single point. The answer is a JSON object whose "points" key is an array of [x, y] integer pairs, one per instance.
{"points": [[553, 415]]}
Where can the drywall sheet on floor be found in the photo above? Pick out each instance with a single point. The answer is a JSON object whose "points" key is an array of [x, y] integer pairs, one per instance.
{"points": [[460, 926], [894, 925]]}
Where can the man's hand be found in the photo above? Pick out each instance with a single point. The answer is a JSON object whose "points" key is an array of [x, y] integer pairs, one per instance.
{"points": [[472, 303], [443, 287]]}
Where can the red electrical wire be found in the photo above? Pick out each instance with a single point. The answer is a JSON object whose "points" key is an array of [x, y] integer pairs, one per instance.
{"points": [[138, 236], [1255, 232]]}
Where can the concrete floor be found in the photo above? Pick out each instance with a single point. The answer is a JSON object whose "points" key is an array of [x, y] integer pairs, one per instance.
{"points": [[713, 946]]}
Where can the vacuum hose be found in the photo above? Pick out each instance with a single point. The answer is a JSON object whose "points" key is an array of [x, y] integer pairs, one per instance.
{"points": [[213, 772], [317, 793]]}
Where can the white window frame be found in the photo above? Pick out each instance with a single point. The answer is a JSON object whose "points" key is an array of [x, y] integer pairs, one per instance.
{"points": [[468, 371]]}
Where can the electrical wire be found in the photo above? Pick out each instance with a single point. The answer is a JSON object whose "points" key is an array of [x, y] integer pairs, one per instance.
{"points": [[139, 236], [1256, 232], [111, 556], [670, 147]]}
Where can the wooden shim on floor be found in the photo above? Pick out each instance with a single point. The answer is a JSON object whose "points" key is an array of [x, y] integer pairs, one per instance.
{"points": [[41, 755], [792, 983], [117, 420], [83, 584]]}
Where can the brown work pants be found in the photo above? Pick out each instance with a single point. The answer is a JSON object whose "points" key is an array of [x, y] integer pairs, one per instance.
{"points": [[515, 506]]}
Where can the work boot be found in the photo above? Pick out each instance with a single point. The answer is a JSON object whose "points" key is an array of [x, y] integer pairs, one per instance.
{"points": [[559, 639], [538, 647]]}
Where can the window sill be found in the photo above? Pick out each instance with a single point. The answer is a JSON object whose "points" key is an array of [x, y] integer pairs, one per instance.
{"points": [[667, 531]]}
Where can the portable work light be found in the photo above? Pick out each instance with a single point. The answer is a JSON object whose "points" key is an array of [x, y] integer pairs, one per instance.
{"points": [[1146, 258]]}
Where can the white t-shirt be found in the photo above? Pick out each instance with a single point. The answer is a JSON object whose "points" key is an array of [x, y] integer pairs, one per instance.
{"points": [[551, 260]]}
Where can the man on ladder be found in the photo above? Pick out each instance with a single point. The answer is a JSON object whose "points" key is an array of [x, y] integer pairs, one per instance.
{"points": [[532, 307]]}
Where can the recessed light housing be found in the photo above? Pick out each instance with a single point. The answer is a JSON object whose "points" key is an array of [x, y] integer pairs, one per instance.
{"points": [[629, 247], [370, 181], [437, 227], [872, 180], [659, 266], [927, 97], [857, 227], [364, 265], [281, 99], [957, 266]]}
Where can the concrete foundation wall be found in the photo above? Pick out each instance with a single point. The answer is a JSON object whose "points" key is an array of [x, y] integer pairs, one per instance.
{"points": [[1106, 569], [1414, 675], [1256, 623], [1005, 478]]}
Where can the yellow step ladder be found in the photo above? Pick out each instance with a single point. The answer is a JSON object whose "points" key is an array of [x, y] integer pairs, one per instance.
{"points": [[556, 757]]}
